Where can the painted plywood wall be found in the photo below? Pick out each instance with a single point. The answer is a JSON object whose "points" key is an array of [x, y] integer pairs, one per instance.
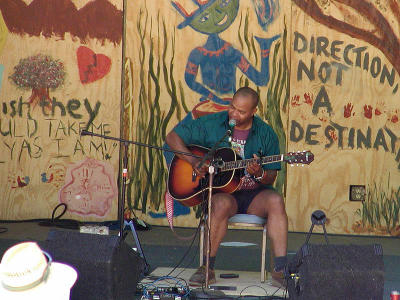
{"points": [[331, 88], [327, 72], [344, 106], [60, 73], [184, 71]]}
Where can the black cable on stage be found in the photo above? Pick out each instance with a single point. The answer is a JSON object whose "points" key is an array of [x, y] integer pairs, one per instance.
{"points": [[57, 222], [54, 221], [186, 253], [190, 247]]}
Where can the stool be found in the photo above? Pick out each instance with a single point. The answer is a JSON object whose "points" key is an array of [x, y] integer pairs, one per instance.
{"points": [[243, 220]]}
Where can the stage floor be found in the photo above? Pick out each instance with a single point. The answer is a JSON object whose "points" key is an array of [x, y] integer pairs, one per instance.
{"points": [[241, 252], [247, 284]]}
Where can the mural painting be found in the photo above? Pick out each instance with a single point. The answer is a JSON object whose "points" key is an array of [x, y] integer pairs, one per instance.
{"points": [[217, 60], [210, 75], [60, 74], [343, 106], [330, 87], [327, 72], [87, 181]]}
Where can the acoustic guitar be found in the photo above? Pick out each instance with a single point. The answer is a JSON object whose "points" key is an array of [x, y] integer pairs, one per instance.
{"points": [[227, 174]]}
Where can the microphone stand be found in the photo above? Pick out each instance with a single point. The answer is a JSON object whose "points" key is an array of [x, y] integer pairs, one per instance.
{"points": [[121, 198], [207, 293], [211, 170], [211, 153]]}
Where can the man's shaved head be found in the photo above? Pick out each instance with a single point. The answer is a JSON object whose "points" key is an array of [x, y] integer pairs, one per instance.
{"points": [[248, 92]]}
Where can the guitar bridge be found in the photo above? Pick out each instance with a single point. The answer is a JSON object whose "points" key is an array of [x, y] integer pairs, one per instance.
{"points": [[194, 175]]}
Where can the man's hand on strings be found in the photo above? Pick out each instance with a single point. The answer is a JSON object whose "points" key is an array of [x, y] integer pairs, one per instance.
{"points": [[200, 172], [255, 169]]}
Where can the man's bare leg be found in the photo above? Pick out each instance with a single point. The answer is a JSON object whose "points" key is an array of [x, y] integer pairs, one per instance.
{"points": [[269, 204], [223, 207]]}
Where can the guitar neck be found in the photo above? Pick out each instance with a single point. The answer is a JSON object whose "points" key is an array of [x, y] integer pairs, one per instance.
{"points": [[240, 164]]}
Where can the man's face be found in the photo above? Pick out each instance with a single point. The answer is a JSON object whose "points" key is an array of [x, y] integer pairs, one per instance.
{"points": [[242, 110]]}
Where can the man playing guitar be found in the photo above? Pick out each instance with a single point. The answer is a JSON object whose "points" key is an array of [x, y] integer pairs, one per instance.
{"points": [[251, 137]]}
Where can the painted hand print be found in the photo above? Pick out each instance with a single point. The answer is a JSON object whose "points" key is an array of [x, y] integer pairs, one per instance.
{"points": [[19, 181], [295, 101], [348, 110], [394, 116], [90, 188], [368, 111], [308, 98]]}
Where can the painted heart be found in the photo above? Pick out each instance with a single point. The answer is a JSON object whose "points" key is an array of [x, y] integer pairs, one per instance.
{"points": [[92, 66]]}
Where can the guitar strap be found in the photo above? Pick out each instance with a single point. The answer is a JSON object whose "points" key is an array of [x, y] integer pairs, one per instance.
{"points": [[169, 209]]}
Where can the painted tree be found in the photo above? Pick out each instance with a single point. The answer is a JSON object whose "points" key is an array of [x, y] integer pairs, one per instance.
{"points": [[374, 28], [39, 73]]}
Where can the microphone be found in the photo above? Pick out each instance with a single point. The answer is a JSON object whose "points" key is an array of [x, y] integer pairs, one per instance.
{"points": [[232, 123]]}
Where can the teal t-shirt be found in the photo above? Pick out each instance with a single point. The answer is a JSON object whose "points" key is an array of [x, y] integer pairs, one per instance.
{"points": [[207, 130]]}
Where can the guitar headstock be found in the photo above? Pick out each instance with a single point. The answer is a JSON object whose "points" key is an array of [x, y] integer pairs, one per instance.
{"points": [[299, 157]]}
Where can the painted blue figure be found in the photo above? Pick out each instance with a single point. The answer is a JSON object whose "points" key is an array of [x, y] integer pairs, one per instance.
{"points": [[218, 61], [266, 11]]}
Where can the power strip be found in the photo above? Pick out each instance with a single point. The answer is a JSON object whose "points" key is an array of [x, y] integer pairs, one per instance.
{"points": [[94, 229]]}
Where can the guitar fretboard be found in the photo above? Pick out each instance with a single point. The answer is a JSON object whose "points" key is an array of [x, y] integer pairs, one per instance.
{"points": [[240, 164]]}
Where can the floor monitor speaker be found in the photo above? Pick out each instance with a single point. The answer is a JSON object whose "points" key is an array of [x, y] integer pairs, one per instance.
{"points": [[336, 272], [107, 267]]}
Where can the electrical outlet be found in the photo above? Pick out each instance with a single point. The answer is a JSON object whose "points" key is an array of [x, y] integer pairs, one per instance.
{"points": [[357, 193]]}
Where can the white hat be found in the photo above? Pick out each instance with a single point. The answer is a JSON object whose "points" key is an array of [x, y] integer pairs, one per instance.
{"points": [[25, 273]]}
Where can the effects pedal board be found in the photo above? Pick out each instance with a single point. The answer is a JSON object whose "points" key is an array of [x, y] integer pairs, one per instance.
{"points": [[164, 293], [164, 297]]}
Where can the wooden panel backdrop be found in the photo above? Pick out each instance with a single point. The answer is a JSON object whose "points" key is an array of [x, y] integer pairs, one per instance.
{"points": [[60, 73], [344, 107], [340, 103], [162, 52], [331, 87]]}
